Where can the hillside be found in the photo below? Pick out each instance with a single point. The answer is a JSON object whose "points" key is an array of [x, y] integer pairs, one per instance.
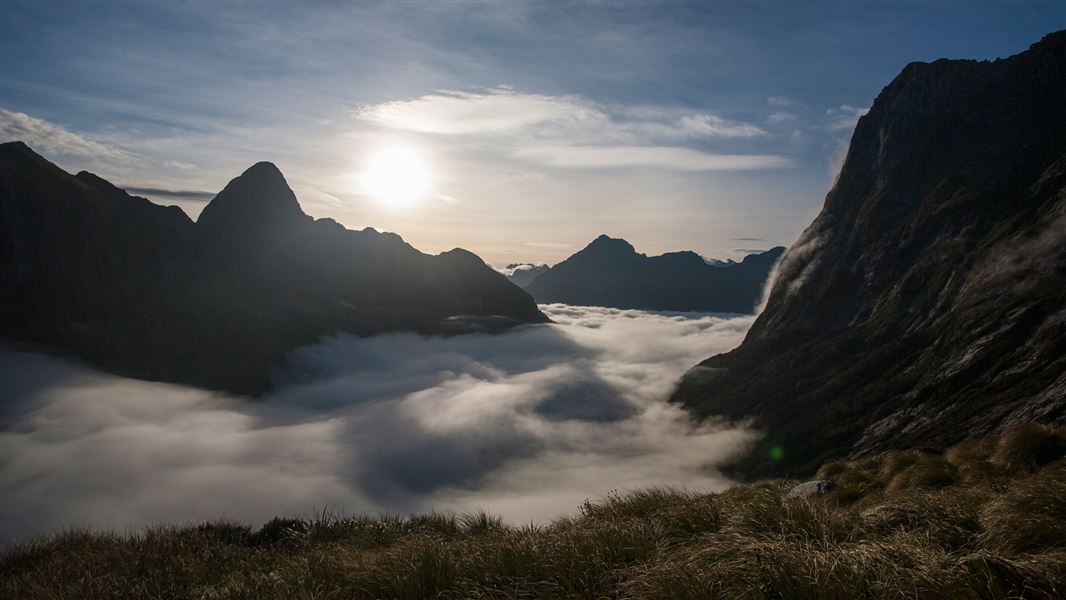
{"points": [[141, 289], [610, 272], [985, 520], [926, 303]]}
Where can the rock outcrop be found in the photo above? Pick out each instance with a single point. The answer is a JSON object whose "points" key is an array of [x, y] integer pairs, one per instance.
{"points": [[926, 304]]}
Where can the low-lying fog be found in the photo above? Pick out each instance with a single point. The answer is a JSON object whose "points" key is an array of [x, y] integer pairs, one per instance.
{"points": [[526, 425]]}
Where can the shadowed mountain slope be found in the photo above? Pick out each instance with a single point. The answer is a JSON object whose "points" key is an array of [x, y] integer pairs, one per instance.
{"points": [[140, 289], [927, 302], [610, 272]]}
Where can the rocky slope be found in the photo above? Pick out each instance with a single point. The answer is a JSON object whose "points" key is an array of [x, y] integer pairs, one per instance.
{"points": [[927, 302], [141, 289], [610, 272]]}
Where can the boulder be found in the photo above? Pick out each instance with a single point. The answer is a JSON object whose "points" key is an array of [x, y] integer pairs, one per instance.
{"points": [[810, 488]]}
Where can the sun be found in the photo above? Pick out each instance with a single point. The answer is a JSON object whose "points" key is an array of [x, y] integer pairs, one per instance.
{"points": [[396, 176]]}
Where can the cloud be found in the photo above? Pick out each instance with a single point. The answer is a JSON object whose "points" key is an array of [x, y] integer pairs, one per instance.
{"points": [[780, 116], [499, 109], [513, 268], [526, 424], [177, 164], [698, 126], [748, 239], [553, 245], [663, 157], [502, 110], [187, 195], [41, 134], [445, 198], [844, 116], [780, 101], [573, 132]]}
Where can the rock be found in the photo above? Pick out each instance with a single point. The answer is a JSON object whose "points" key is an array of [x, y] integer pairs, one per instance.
{"points": [[810, 488], [926, 304]]}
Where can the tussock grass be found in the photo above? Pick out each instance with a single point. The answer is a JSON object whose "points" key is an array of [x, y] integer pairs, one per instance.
{"points": [[986, 519], [1029, 446]]}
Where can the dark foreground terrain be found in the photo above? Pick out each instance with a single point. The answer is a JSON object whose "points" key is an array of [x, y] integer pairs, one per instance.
{"points": [[986, 519]]}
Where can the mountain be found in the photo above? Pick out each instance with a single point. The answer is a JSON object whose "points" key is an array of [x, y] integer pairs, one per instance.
{"points": [[522, 274], [609, 272], [143, 290], [926, 303]]}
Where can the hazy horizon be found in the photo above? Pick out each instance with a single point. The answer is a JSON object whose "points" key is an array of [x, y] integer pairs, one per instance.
{"points": [[523, 130]]}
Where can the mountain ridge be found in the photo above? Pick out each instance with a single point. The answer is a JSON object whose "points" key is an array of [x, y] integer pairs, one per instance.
{"points": [[610, 272], [142, 290], [926, 303]]}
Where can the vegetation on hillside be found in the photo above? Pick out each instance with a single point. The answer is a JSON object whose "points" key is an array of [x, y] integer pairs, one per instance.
{"points": [[986, 519]]}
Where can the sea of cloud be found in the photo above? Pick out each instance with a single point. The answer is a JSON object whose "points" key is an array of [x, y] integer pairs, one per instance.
{"points": [[526, 424]]}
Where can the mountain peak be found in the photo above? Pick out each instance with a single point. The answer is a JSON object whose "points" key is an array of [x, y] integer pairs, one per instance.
{"points": [[615, 245], [259, 200], [17, 146], [263, 168]]}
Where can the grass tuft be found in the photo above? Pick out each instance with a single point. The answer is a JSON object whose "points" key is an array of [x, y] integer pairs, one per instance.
{"points": [[1029, 447]]}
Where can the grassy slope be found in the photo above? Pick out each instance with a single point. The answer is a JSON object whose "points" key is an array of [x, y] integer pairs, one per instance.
{"points": [[986, 519]]}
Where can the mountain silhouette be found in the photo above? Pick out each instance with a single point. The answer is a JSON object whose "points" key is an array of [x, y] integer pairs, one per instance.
{"points": [[257, 203], [141, 289], [926, 303], [610, 272]]}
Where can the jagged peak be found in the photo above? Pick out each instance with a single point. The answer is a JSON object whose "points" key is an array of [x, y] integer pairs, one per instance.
{"points": [[259, 198]]}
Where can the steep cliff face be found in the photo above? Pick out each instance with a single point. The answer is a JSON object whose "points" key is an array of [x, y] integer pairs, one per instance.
{"points": [[610, 272], [141, 289], [927, 301]]}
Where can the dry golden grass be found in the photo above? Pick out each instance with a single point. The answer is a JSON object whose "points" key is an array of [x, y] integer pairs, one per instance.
{"points": [[985, 520]]}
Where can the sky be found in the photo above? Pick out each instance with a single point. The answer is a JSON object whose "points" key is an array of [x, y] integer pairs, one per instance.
{"points": [[533, 127]]}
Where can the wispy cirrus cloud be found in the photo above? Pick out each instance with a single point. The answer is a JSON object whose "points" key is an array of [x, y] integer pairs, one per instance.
{"points": [[42, 134], [573, 132], [503, 110], [663, 157], [548, 245], [498, 110], [177, 164], [780, 116]]}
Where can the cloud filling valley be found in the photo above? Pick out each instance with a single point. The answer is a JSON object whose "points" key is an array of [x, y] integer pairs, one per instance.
{"points": [[525, 424]]}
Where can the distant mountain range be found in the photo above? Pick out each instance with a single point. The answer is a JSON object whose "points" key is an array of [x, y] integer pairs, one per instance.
{"points": [[141, 289], [926, 304], [522, 274], [610, 272]]}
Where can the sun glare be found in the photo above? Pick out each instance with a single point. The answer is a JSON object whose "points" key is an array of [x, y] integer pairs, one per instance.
{"points": [[395, 176]]}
